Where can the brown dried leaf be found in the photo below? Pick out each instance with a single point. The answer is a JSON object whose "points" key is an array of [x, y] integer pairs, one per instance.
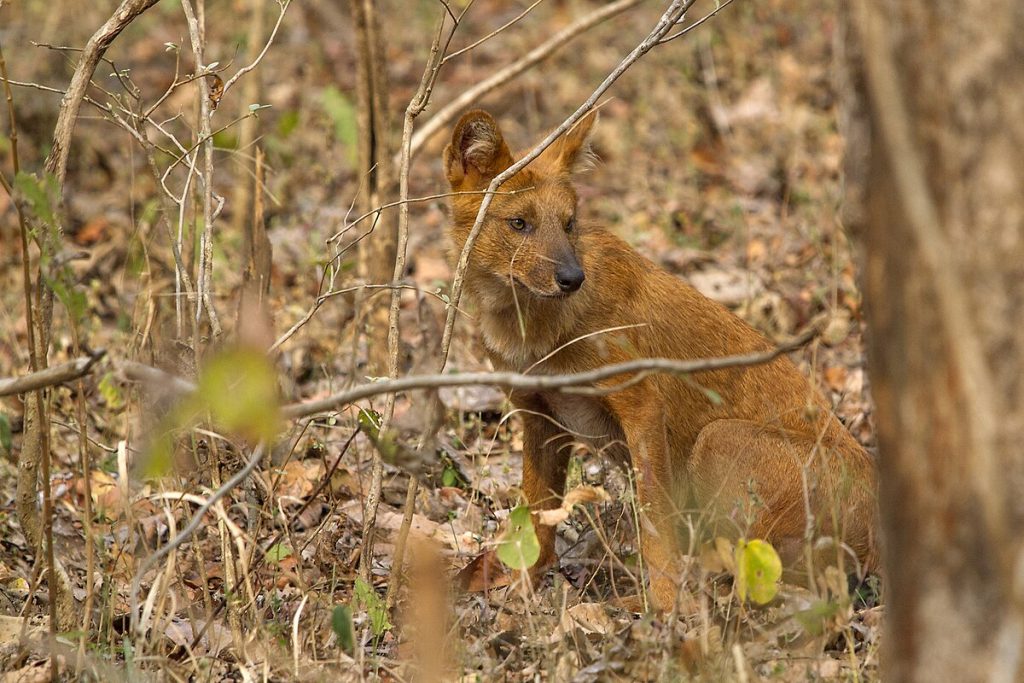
{"points": [[216, 91], [483, 573]]}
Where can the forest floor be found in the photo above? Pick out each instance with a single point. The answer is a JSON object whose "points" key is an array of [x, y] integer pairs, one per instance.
{"points": [[720, 158]]}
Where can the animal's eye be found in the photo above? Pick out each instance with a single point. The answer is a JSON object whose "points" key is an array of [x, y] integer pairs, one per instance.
{"points": [[517, 224], [571, 225]]}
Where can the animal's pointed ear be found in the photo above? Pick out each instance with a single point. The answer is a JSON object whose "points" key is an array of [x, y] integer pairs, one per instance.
{"points": [[572, 151], [477, 152]]}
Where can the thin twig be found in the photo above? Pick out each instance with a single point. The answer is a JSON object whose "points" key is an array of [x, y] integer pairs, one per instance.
{"points": [[285, 4], [155, 376], [57, 160], [478, 43], [30, 461], [416, 106], [186, 533], [411, 200], [446, 114], [321, 298], [718, 8], [196, 31]]}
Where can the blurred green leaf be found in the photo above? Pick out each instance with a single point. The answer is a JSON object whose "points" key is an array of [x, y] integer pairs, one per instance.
{"points": [[72, 298], [449, 477], [110, 392], [158, 458], [239, 388], [519, 547], [6, 441], [758, 570], [341, 623], [815, 618], [41, 194], [225, 139], [368, 599], [287, 123], [343, 115]]}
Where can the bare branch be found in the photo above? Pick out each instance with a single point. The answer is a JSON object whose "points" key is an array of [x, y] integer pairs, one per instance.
{"points": [[718, 8], [416, 106], [478, 43], [35, 452], [51, 376], [582, 382], [196, 31], [155, 376], [410, 200], [57, 160], [446, 114], [285, 4]]}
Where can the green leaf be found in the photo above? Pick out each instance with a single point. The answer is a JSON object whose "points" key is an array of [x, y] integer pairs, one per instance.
{"points": [[160, 455], [110, 392], [450, 477], [343, 115], [6, 441], [519, 547], [815, 618], [41, 195], [239, 388], [341, 623], [369, 422], [368, 599], [758, 570], [278, 552], [72, 298]]}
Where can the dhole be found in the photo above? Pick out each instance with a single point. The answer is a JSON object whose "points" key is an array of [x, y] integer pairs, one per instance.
{"points": [[545, 281]]}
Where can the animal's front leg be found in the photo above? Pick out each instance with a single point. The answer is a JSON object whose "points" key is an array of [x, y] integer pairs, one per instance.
{"points": [[545, 459], [644, 428]]}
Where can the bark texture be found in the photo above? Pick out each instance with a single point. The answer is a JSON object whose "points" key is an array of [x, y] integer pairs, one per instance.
{"points": [[937, 193], [377, 177]]}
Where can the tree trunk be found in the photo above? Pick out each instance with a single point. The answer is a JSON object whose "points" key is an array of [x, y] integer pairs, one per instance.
{"points": [[376, 178], [937, 193]]}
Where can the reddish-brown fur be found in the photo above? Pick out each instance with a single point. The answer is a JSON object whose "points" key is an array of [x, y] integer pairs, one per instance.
{"points": [[689, 451]]}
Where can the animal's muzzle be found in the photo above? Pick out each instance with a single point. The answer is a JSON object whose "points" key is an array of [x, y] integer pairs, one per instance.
{"points": [[569, 277]]}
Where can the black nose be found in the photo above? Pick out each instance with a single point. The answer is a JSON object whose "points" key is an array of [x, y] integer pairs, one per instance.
{"points": [[569, 277]]}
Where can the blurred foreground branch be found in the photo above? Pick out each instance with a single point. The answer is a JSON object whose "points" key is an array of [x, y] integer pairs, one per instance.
{"points": [[581, 382], [52, 376]]}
